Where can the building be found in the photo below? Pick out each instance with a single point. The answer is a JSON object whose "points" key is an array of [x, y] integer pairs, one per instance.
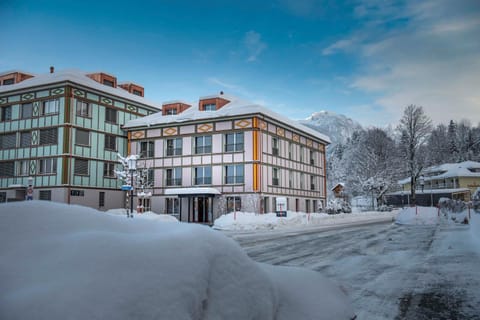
{"points": [[60, 133], [450, 180], [225, 154]]}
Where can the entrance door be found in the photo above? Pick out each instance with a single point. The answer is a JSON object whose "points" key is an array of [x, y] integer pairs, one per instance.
{"points": [[202, 209]]}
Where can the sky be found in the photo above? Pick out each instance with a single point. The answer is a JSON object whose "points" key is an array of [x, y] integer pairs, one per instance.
{"points": [[366, 59]]}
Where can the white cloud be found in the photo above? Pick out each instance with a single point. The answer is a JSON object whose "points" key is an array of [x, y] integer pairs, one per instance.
{"points": [[254, 45], [431, 59]]}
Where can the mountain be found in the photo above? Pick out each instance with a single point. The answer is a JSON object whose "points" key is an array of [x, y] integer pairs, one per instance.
{"points": [[337, 126]]}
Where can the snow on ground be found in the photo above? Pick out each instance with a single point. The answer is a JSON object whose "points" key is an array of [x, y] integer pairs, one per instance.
{"points": [[59, 261], [242, 221], [149, 215], [428, 216]]}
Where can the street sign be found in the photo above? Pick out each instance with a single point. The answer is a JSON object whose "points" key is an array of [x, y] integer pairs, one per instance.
{"points": [[126, 188]]}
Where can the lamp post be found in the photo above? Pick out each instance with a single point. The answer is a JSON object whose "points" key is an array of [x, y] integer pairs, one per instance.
{"points": [[132, 167]]}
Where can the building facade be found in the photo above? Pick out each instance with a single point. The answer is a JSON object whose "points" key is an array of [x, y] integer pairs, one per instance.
{"points": [[449, 180], [226, 154], [60, 133]]}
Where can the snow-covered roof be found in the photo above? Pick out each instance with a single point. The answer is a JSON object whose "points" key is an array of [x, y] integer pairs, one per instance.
{"points": [[341, 184], [449, 170], [176, 101], [235, 107], [194, 190], [78, 77]]}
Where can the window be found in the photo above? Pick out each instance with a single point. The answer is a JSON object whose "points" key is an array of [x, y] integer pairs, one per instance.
{"points": [[83, 109], [6, 113], [203, 144], [290, 150], [209, 107], [290, 179], [275, 179], [301, 153], [312, 157], [50, 106], [109, 169], [27, 110], [302, 181], [234, 204], [45, 195], [8, 141], [234, 174], [7, 169], [312, 183], [110, 142], [275, 146], [48, 136], [23, 167], [174, 177], [147, 149], [81, 167], [111, 115], [77, 193], [174, 147], [171, 111], [101, 199], [137, 92], [151, 177], [172, 205], [203, 175], [8, 81], [82, 137], [108, 83], [234, 142], [47, 166]]}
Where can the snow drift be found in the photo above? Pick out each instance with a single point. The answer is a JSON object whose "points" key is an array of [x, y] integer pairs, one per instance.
{"points": [[59, 261]]}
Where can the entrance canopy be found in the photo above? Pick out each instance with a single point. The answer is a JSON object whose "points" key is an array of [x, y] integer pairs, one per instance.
{"points": [[192, 192]]}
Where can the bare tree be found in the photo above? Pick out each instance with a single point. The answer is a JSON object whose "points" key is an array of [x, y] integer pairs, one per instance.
{"points": [[415, 128]]}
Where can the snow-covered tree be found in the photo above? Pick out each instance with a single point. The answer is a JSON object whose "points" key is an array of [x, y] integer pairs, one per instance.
{"points": [[452, 141], [415, 128], [437, 146]]}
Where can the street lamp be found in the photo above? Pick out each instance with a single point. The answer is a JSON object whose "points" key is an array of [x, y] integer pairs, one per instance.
{"points": [[132, 167]]}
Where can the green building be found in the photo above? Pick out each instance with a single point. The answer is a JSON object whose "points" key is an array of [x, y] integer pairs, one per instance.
{"points": [[60, 133]]}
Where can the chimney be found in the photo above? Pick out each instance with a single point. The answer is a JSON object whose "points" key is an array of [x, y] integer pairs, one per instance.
{"points": [[52, 69]]}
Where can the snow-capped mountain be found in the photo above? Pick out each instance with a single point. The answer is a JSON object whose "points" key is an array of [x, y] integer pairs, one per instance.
{"points": [[337, 126]]}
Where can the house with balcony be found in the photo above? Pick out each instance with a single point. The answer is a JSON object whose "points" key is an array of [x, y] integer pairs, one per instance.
{"points": [[225, 154], [60, 133], [450, 180]]}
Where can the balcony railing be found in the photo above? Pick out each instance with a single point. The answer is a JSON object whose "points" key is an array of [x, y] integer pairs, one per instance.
{"points": [[174, 151], [174, 182], [203, 149]]}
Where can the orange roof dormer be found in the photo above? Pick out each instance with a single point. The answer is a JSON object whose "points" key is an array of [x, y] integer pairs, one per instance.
{"points": [[132, 88], [104, 78], [174, 107], [212, 103], [12, 77]]}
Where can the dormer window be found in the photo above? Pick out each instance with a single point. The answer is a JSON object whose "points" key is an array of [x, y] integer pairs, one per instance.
{"points": [[8, 81], [209, 107], [170, 112], [137, 92], [108, 83]]}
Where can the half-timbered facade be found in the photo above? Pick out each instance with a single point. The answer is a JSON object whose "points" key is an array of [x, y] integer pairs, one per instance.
{"points": [[61, 132], [226, 154]]}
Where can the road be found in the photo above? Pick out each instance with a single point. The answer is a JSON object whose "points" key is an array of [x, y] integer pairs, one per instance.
{"points": [[389, 271]]}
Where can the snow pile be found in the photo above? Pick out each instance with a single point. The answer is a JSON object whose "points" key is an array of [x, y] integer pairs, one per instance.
{"points": [[250, 221], [418, 216], [59, 261]]}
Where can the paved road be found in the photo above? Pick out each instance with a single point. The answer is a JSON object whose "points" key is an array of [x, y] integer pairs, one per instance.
{"points": [[389, 271]]}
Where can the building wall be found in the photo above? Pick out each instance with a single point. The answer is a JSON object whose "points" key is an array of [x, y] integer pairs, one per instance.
{"points": [[66, 151], [257, 158]]}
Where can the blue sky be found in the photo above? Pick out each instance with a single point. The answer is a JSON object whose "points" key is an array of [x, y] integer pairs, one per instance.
{"points": [[367, 59]]}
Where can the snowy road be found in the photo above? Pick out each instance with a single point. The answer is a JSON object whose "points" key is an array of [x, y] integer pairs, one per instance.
{"points": [[389, 271]]}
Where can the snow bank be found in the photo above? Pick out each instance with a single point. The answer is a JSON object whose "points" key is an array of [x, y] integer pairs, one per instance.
{"points": [[250, 221], [418, 216], [59, 261]]}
